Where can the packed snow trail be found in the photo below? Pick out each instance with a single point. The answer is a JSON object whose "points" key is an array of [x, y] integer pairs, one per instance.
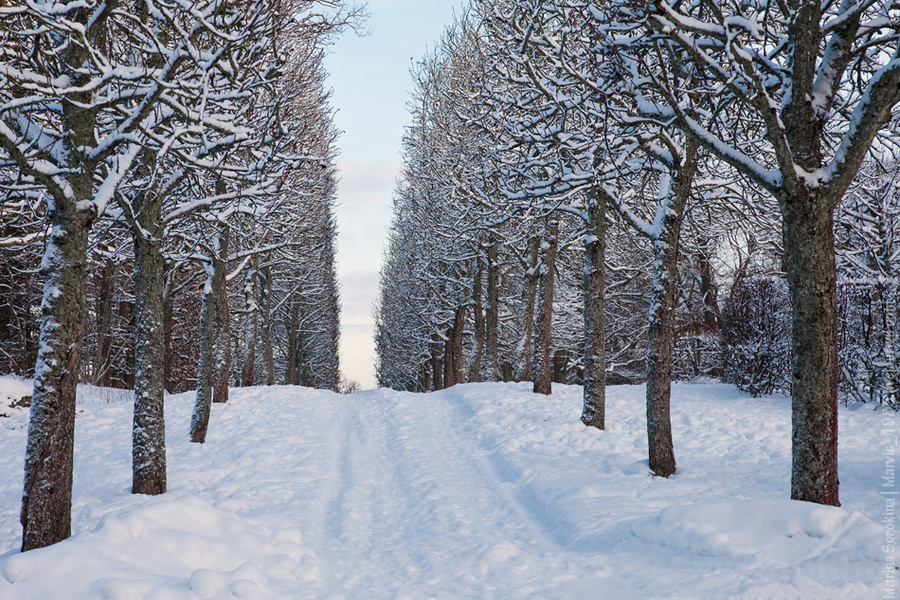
{"points": [[479, 492], [409, 481]]}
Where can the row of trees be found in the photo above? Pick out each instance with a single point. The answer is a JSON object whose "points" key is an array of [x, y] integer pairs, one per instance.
{"points": [[575, 167], [166, 164]]}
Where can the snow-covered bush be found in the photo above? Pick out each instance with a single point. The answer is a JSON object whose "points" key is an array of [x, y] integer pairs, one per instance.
{"points": [[868, 343], [756, 336], [868, 263], [697, 357]]}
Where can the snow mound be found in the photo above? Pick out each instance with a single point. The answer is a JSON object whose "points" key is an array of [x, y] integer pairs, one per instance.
{"points": [[170, 548], [15, 396], [782, 531]]}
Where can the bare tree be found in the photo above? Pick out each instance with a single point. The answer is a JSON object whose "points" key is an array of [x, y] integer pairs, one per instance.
{"points": [[811, 85]]}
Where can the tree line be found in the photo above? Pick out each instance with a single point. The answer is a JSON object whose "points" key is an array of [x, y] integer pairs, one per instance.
{"points": [[167, 184], [618, 192]]}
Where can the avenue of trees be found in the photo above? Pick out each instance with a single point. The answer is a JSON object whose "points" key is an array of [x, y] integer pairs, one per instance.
{"points": [[618, 192], [167, 184]]}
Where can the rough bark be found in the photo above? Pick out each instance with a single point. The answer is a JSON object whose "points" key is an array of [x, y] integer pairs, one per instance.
{"points": [[807, 225], [47, 498], [525, 347], [543, 376], [46, 515], [206, 364], [148, 452], [223, 347], [594, 409], [661, 343], [812, 281]]}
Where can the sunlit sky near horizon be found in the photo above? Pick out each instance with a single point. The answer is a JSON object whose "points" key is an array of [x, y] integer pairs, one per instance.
{"points": [[371, 86]]}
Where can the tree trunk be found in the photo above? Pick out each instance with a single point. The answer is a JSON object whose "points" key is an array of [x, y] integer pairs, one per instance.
{"points": [[661, 343], [478, 315], [811, 274], [46, 515], [425, 379], [123, 374], [148, 454], [594, 409], [223, 347], [543, 376], [560, 368], [250, 328], [457, 343], [268, 352], [292, 370], [105, 281], [493, 313], [305, 376], [708, 289], [47, 497], [206, 366], [525, 347], [449, 370], [437, 365], [453, 365]]}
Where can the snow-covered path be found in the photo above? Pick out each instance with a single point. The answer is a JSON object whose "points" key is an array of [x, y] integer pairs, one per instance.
{"points": [[483, 491], [407, 482], [412, 478]]}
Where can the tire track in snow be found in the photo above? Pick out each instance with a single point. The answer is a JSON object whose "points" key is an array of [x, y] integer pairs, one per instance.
{"points": [[493, 465], [365, 509], [409, 480]]}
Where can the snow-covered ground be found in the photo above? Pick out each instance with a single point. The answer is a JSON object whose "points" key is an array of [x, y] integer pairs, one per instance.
{"points": [[15, 396], [484, 491]]}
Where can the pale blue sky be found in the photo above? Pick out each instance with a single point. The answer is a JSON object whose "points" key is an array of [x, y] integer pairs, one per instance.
{"points": [[371, 82]]}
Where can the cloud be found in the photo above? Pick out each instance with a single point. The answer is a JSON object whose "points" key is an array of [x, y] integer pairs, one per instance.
{"points": [[359, 290], [364, 213]]}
